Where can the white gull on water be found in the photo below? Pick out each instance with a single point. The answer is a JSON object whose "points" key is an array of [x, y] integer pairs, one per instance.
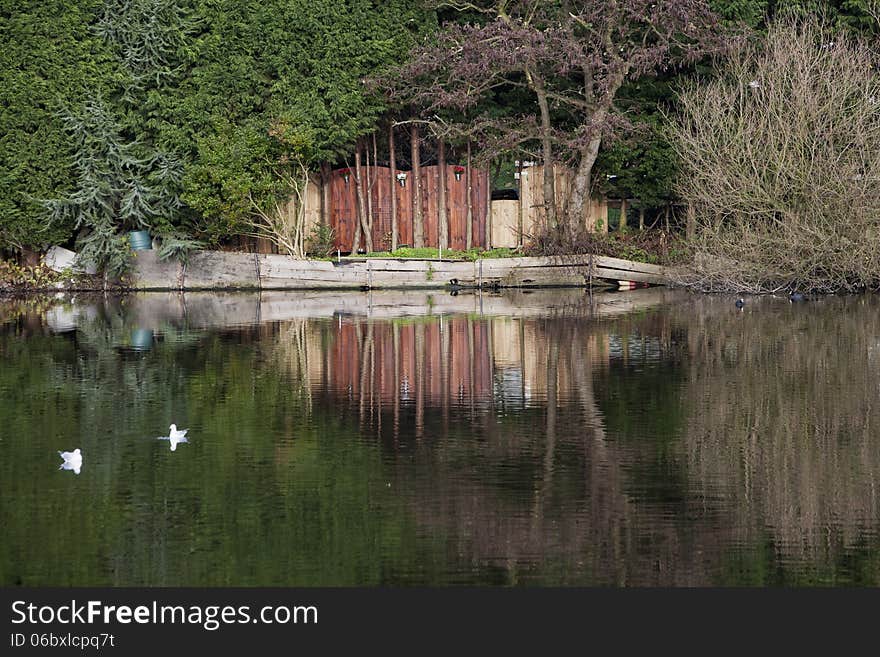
{"points": [[175, 436], [72, 460]]}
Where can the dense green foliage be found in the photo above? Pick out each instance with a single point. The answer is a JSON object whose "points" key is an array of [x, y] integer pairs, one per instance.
{"points": [[210, 108], [49, 59], [233, 94]]}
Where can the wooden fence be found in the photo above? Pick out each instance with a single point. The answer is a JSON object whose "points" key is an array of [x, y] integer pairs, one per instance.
{"points": [[343, 210], [510, 222]]}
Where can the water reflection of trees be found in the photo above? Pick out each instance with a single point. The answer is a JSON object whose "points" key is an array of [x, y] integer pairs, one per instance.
{"points": [[758, 431], [781, 406], [522, 479], [688, 444]]}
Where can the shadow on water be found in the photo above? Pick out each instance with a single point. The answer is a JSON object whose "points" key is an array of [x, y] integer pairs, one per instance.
{"points": [[641, 438]]}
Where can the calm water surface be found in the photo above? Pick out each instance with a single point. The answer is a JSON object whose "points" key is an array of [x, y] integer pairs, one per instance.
{"points": [[552, 438]]}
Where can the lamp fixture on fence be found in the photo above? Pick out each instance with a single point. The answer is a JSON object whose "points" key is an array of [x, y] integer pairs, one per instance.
{"points": [[401, 179]]}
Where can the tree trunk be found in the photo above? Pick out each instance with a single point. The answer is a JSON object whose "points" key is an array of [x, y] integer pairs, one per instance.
{"points": [[325, 193], [579, 201], [418, 217], [642, 218], [621, 224], [469, 227], [393, 164], [443, 214], [29, 257], [548, 187], [361, 206]]}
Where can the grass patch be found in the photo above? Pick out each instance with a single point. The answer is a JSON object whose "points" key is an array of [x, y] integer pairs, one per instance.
{"points": [[431, 253]]}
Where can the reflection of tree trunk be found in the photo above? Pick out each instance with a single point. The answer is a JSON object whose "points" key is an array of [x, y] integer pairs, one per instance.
{"points": [[609, 504], [445, 372], [366, 350], [395, 338], [375, 395], [522, 361], [550, 429], [471, 327], [420, 378]]}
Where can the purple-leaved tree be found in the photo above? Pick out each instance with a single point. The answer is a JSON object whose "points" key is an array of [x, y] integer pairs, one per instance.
{"points": [[569, 59]]}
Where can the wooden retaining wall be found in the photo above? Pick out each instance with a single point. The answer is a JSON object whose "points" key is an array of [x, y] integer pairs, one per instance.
{"points": [[222, 270]]}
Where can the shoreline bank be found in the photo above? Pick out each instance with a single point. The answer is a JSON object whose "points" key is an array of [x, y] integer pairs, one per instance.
{"points": [[223, 271]]}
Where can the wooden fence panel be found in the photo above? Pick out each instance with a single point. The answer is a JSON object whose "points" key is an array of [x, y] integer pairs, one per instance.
{"points": [[343, 206], [456, 202]]}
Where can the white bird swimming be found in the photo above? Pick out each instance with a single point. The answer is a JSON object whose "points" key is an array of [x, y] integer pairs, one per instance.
{"points": [[175, 436], [72, 460]]}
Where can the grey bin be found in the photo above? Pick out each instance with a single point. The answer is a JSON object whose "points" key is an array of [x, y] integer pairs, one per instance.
{"points": [[140, 240]]}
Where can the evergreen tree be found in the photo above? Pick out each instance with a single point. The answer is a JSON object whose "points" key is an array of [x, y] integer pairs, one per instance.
{"points": [[121, 185]]}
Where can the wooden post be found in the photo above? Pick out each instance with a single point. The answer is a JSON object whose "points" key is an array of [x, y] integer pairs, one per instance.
{"points": [[418, 217], [469, 228], [642, 218], [325, 193], [373, 177], [369, 176], [393, 164], [488, 222], [442, 213], [519, 205]]}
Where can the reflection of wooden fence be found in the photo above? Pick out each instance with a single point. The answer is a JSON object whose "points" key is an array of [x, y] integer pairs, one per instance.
{"points": [[343, 211], [423, 363]]}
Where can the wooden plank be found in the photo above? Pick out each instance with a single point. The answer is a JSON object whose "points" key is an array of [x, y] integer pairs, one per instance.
{"points": [[504, 223], [617, 263], [210, 270], [150, 273], [218, 270], [619, 275]]}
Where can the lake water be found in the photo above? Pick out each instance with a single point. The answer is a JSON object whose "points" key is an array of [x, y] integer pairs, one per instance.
{"points": [[638, 438]]}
